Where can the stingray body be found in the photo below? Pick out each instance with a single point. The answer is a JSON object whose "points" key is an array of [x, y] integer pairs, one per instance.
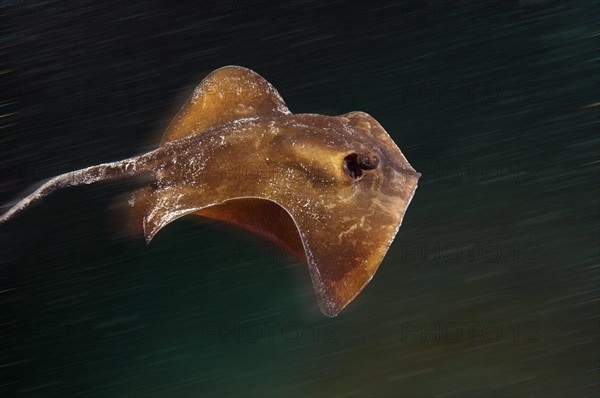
{"points": [[330, 189]]}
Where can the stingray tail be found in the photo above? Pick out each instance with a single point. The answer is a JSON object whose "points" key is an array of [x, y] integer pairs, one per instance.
{"points": [[127, 168]]}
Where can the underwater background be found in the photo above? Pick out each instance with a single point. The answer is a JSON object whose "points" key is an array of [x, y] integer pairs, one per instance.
{"points": [[489, 289]]}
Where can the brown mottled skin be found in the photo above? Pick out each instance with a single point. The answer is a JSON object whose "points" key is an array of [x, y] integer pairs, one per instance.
{"points": [[236, 154]]}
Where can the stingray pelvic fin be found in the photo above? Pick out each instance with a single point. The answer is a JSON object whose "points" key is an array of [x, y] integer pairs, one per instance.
{"points": [[227, 94]]}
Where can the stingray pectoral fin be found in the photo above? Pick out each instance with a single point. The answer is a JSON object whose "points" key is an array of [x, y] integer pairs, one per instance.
{"points": [[151, 210], [339, 269], [261, 217], [341, 261], [342, 253], [341, 264], [345, 248], [339, 272], [225, 95]]}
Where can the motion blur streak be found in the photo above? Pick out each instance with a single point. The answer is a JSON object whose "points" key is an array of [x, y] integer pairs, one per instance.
{"points": [[490, 288]]}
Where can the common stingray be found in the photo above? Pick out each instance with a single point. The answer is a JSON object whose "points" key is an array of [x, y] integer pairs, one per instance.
{"points": [[331, 189]]}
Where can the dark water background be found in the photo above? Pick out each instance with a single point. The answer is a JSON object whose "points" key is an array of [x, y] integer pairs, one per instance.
{"points": [[490, 288]]}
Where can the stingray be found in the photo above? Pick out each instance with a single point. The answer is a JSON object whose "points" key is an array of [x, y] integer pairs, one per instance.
{"points": [[332, 190]]}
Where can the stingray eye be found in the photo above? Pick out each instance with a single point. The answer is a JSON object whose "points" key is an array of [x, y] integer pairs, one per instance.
{"points": [[354, 164], [368, 160]]}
